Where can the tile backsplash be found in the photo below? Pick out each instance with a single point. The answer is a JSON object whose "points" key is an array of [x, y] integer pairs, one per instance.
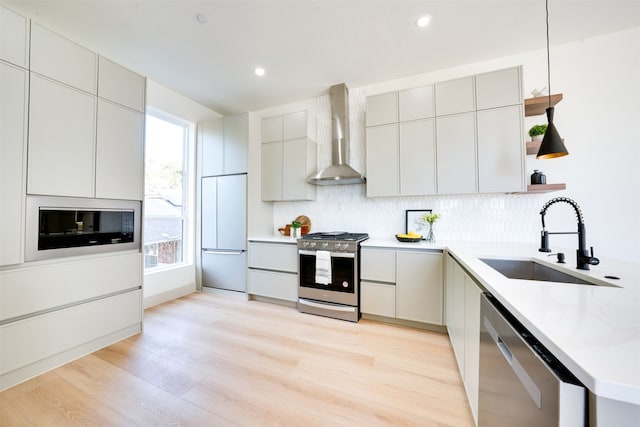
{"points": [[475, 217]]}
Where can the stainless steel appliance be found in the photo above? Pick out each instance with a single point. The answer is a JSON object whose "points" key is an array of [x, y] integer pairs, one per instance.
{"points": [[224, 232], [329, 274], [69, 226], [521, 383]]}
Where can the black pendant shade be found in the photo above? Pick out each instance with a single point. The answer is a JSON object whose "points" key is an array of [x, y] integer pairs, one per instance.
{"points": [[552, 145]]}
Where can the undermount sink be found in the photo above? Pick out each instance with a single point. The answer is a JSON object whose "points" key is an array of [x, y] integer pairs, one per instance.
{"points": [[531, 270]]}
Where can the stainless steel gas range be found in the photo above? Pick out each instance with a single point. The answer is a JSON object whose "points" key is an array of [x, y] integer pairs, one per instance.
{"points": [[329, 274]]}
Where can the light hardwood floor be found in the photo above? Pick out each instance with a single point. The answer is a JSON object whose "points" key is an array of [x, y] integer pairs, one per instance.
{"points": [[208, 360]]}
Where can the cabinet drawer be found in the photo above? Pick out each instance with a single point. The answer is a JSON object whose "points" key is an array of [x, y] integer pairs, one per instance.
{"points": [[378, 299], [31, 340], [272, 284], [274, 256], [378, 265]]}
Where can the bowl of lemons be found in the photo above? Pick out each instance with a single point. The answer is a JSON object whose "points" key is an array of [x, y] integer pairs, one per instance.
{"points": [[411, 236]]}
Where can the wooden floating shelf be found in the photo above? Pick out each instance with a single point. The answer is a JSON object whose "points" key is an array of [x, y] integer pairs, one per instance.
{"points": [[545, 188], [533, 147], [538, 105]]}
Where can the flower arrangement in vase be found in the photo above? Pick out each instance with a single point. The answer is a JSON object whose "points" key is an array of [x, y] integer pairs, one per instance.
{"points": [[430, 218]]}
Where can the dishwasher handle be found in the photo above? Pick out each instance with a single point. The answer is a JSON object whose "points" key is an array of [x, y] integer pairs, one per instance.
{"points": [[518, 369]]}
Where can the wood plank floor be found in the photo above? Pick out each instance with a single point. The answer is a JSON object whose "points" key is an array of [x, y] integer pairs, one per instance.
{"points": [[210, 360]]}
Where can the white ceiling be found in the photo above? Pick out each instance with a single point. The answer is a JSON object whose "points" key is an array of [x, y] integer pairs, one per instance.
{"points": [[308, 45]]}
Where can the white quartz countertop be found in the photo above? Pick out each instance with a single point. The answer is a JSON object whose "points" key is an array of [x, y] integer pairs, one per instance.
{"points": [[273, 239], [593, 330]]}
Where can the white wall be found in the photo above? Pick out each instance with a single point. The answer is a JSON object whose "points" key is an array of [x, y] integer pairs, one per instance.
{"points": [[166, 284], [597, 118]]}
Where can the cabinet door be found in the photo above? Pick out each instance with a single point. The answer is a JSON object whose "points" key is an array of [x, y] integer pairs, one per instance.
{"points": [[295, 169], [417, 103], [382, 109], [63, 60], [272, 171], [378, 265], [499, 88], [119, 152], [382, 158], [472, 295], [455, 96], [274, 256], [211, 136], [378, 299], [232, 212], [13, 132], [62, 126], [295, 125], [456, 154], [273, 284], [457, 310], [236, 143], [419, 287], [500, 150], [417, 158], [14, 38], [209, 211], [272, 129], [120, 85]]}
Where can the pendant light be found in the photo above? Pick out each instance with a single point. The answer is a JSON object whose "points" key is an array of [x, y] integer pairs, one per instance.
{"points": [[552, 145]]}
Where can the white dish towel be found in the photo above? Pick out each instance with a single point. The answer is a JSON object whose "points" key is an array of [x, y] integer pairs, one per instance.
{"points": [[323, 267]]}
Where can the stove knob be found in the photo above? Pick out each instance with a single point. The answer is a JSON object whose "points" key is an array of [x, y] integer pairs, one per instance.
{"points": [[336, 245], [305, 244], [312, 244], [344, 246], [325, 245]]}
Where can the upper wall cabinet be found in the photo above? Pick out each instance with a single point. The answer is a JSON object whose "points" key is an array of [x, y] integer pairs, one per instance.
{"points": [[289, 156], [499, 88], [14, 87], [14, 38], [415, 104], [382, 109], [455, 96], [224, 145], [120, 85], [63, 60]]}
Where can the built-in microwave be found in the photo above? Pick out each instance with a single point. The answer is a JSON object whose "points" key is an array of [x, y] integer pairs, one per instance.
{"points": [[64, 226]]}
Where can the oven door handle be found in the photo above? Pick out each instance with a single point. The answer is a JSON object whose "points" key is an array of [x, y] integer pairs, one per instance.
{"points": [[332, 254], [333, 307]]}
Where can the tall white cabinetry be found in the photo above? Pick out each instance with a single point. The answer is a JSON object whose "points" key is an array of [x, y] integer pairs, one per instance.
{"points": [[289, 157], [454, 137], [462, 307], [224, 144], [402, 284], [400, 153], [86, 122], [14, 87]]}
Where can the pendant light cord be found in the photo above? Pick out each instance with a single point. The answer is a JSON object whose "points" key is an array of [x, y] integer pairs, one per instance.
{"points": [[548, 56]]}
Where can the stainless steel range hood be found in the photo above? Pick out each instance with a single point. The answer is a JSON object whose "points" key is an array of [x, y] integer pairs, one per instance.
{"points": [[339, 172]]}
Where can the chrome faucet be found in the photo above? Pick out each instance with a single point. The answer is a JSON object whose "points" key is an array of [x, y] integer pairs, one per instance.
{"points": [[583, 257]]}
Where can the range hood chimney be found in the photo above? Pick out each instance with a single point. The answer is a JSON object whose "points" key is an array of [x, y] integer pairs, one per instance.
{"points": [[339, 172]]}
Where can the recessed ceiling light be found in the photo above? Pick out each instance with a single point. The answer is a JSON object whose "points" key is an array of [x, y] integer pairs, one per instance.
{"points": [[259, 71], [202, 18], [423, 21]]}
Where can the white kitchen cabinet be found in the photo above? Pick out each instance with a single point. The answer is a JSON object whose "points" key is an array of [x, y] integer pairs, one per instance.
{"points": [[119, 152], [402, 284], [62, 128], [224, 145], [288, 162], [463, 325], [63, 60], [419, 286], [455, 96], [417, 158], [121, 85], [416, 103], [382, 109], [382, 158], [499, 88], [500, 150], [456, 154], [14, 38], [273, 270], [14, 86]]}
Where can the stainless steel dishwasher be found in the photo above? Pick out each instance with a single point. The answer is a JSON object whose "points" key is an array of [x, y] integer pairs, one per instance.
{"points": [[521, 383]]}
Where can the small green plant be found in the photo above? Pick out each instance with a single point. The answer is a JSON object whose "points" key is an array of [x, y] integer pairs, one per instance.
{"points": [[296, 224], [537, 130], [431, 217]]}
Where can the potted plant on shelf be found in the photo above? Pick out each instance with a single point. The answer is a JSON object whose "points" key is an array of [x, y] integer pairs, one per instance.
{"points": [[537, 131]]}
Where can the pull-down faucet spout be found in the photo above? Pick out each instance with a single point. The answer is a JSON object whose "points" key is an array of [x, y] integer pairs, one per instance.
{"points": [[583, 257]]}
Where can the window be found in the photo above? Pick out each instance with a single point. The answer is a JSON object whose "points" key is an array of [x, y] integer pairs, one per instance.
{"points": [[166, 143]]}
